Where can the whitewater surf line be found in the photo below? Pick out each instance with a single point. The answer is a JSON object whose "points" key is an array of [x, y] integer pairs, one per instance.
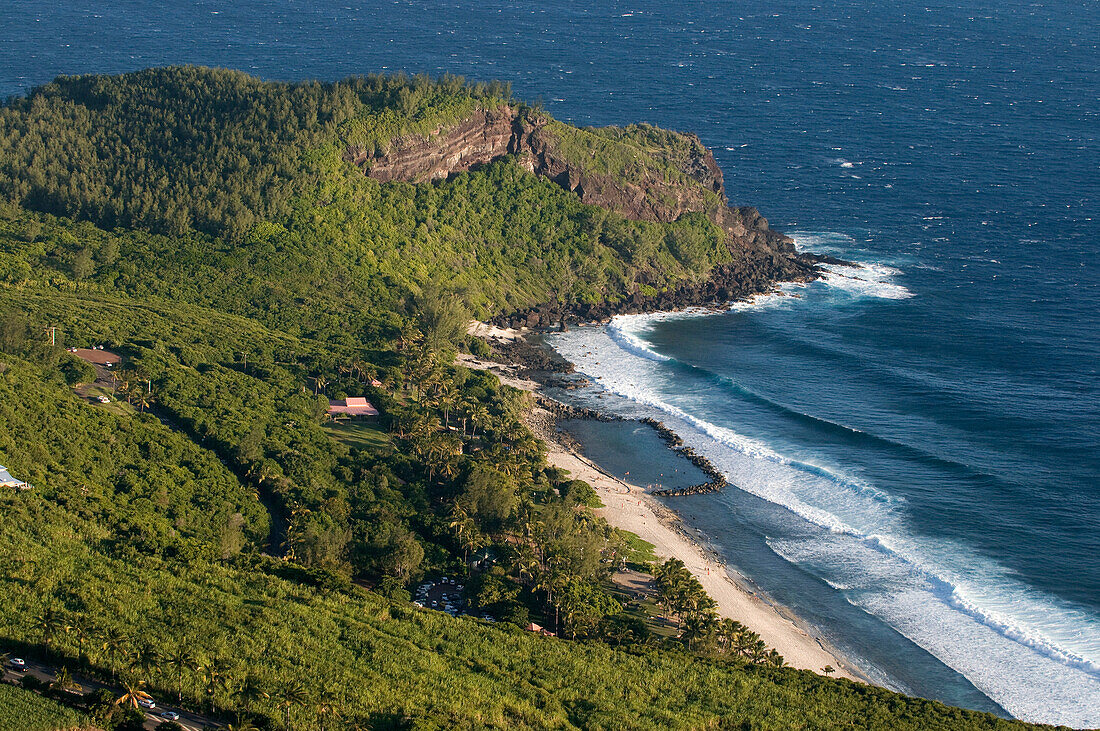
{"points": [[929, 593]]}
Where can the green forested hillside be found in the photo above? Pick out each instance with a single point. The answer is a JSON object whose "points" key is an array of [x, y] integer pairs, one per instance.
{"points": [[255, 187], [178, 149], [215, 537]]}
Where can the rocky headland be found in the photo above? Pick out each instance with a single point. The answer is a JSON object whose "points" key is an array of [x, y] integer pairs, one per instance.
{"points": [[641, 172]]}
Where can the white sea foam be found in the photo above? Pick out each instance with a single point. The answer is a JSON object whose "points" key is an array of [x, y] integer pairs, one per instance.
{"points": [[871, 280], [632, 343], [1016, 666], [1035, 655]]}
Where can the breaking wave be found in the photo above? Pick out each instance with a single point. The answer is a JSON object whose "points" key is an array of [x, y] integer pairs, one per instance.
{"points": [[965, 610]]}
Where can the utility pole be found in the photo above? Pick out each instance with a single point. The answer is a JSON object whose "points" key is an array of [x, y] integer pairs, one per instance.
{"points": [[52, 330]]}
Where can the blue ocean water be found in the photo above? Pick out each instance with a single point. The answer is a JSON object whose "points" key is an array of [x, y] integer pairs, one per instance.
{"points": [[916, 441]]}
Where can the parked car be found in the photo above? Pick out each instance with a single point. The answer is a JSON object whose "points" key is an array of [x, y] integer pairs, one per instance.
{"points": [[147, 702], [104, 399], [18, 664], [170, 716]]}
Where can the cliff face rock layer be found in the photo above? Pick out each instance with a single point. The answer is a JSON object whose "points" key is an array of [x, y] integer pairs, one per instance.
{"points": [[690, 181], [643, 173], [477, 140]]}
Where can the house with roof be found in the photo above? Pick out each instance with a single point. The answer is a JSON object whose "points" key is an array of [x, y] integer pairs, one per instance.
{"points": [[6, 480], [351, 406]]}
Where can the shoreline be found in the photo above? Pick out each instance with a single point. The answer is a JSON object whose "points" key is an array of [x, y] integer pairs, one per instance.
{"points": [[629, 507]]}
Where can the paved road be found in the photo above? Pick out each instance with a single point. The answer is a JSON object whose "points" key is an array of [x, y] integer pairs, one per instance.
{"points": [[45, 673]]}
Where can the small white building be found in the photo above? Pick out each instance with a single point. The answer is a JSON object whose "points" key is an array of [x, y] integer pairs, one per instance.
{"points": [[6, 480]]}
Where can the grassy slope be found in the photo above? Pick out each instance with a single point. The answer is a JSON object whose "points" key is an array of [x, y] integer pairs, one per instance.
{"points": [[630, 154], [384, 662], [21, 710]]}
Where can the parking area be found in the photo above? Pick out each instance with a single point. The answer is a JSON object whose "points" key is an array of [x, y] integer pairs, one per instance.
{"points": [[443, 594]]}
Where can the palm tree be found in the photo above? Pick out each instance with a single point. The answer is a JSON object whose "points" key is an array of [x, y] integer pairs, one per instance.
{"points": [[81, 631], [529, 571], [329, 708], [758, 652], [113, 645], [48, 622], [728, 630], [465, 530], [774, 659], [143, 399], [124, 381], [147, 658], [132, 694], [251, 690], [359, 368], [448, 399], [438, 452], [291, 695], [63, 681], [464, 408], [699, 626], [213, 681], [181, 658], [479, 417], [745, 641]]}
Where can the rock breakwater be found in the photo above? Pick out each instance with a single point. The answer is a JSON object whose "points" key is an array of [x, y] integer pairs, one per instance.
{"points": [[672, 439]]}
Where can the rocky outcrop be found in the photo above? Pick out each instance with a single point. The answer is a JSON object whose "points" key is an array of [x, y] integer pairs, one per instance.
{"points": [[482, 138], [645, 195]]}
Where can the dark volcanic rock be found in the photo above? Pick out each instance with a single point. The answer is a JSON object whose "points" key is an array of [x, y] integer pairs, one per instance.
{"points": [[531, 356], [726, 283]]}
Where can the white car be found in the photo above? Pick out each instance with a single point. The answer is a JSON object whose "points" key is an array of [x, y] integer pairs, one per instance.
{"points": [[147, 703], [19, 664], [170, 716], [104, 399]]}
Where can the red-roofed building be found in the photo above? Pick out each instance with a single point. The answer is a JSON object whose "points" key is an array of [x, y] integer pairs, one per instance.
{"points": [[352, 406]]}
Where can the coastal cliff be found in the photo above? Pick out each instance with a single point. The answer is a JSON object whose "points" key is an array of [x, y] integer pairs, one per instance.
{"points": [[680, 175], [641, 172]]}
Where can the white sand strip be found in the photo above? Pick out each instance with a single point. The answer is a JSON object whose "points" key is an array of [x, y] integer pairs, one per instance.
{"points": [[630, 508]]}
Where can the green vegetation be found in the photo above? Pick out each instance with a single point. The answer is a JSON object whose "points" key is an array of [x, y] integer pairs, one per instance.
{"points": [[359, 435], [27, 711], [244, 203], [638, 551], [218, 538], [631, 154]]}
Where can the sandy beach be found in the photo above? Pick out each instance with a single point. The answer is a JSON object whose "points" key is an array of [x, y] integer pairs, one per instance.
{"points": [[628, 507]]}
